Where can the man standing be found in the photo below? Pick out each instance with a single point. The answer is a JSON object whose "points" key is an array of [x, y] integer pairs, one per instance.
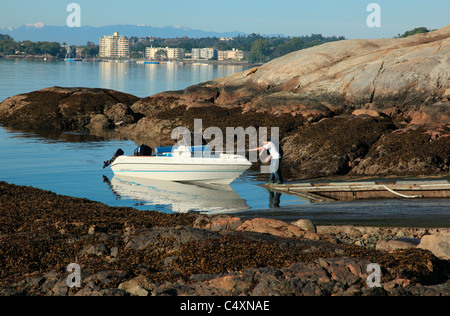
{"points": [[274, 157]]}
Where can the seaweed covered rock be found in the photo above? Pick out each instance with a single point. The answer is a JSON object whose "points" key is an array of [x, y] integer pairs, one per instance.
{"points": [[333, 146], [405, 153], [68, 109]]}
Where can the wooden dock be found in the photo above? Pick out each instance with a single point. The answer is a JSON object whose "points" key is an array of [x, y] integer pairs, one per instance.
{"points": [[349, 191]]}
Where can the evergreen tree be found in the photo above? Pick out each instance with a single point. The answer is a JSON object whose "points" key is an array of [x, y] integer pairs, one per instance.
{"points": [[417, 30]]}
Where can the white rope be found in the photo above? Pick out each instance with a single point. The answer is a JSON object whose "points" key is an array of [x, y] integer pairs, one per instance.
{"points": [[402, 195]]}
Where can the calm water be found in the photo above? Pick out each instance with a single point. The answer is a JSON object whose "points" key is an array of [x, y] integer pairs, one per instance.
{"points": [[71, 163], [137, 79]]}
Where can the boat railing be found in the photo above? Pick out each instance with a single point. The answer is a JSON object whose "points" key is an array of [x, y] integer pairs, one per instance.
{"points": [[198, 152]]}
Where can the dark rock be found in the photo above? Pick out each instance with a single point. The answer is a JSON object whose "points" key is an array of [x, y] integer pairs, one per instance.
{"points": [[59, 289], [120, 114], [410, 152], [332, 146], [142, 239], [376, 291], [432, 290], [68, 109], [97, 250], [98, 122]]}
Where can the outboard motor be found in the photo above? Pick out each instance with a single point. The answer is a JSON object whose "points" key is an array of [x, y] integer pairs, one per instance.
{"points": [[143, 150], [118, 153]]}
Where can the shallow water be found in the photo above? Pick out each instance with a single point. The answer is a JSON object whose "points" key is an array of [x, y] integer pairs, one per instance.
{"points": [[73, 166]]}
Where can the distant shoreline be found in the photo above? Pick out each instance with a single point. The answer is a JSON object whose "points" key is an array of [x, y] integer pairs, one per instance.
{"points": [[184, 61]]}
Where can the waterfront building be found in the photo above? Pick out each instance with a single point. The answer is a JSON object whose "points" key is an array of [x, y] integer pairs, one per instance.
{"points": [[175, 53], [115, 46], [164, 53], [151, 52], [234, 54], [204, 53]]}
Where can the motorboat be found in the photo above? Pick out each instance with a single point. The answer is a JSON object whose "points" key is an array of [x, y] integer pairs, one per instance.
{"points": [[152, 63], [181, 164]]}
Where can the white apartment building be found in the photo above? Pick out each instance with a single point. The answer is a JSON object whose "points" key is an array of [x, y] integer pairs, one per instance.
{"points": [[204, 53], [234, 54], [164, 53], [115, 46]]}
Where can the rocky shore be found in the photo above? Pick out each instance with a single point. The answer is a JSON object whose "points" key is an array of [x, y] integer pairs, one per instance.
{"points": [[123, 252]]}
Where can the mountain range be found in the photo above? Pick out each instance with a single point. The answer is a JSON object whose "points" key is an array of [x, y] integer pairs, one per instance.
{"points": [[81, 35]]}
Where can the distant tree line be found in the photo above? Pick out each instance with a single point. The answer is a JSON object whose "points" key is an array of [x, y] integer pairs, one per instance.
{"points": [[261, 48], [417, 30], [10, 47], [267, 48]]}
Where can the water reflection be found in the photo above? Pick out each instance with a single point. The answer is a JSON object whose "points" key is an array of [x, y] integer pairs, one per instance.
{"points": [[178, 197], [114, 74], [274, 199], [143, 80], [55, 136]]}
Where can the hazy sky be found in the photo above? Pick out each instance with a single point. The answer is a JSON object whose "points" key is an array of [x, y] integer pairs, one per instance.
{"points": [[288, 17]]}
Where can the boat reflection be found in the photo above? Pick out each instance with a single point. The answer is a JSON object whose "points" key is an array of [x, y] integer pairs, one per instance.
{"points": [[180, 197]]}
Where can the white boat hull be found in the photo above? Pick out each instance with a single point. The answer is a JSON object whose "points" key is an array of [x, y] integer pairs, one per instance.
{"points": [[223, 170]]}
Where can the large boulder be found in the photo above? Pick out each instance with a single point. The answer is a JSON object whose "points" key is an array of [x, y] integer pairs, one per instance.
{"points": [[408, 74], [333, 146], [409, 152], [439, 245], [271, 226], [68, 109]]}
